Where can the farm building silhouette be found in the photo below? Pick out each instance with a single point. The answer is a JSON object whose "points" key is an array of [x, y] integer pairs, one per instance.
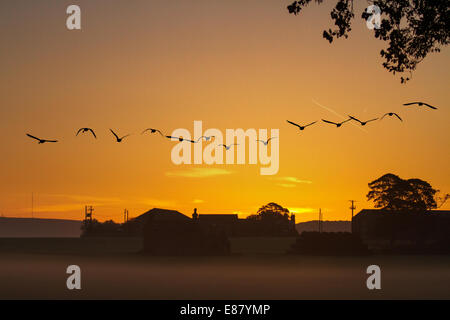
{"points": [[231, 224], [168, 232], [400, 231]]}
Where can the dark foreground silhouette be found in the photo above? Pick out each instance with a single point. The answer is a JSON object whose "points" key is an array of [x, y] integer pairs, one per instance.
{"points": [[329, 243], [181, 238], [388, 231]]}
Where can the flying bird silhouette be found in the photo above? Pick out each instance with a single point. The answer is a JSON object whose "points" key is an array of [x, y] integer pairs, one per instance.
{"points": [[40, 141], [337, 124], [363, 123], [267, 141], [153, 131], [390, 114], [181, 139], [299, 126], [420, 104], [207, 138], [117, 137], [228, 147], [83, 130]]}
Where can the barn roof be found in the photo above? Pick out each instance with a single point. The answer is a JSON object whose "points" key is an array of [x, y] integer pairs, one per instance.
{"points": [[372, 212], [163, 215]]}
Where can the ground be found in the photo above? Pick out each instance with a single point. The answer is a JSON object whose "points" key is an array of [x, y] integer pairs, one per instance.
{"points": [[258, 269]]}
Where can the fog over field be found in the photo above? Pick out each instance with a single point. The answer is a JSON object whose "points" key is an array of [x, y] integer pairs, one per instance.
{"points": [[270, 274]]}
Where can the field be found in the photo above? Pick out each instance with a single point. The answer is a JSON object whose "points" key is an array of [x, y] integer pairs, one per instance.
{"points": [[258, 269]]}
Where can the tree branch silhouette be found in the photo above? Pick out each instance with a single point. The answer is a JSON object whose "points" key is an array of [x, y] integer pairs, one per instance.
{"points": [[411, 28], [441, 200]]}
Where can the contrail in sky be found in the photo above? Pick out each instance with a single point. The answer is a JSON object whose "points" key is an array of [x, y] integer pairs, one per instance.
{"points": [[339, 115]]}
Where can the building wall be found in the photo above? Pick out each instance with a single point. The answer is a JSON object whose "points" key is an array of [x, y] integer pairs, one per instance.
{"points": [[384, 229], [246, 228]]}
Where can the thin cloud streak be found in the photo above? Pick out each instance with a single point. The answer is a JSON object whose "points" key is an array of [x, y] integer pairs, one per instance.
{"points": [[290, 182], [294, 180], [73, 203], [198, 173], [339, 115], [301, 210]]}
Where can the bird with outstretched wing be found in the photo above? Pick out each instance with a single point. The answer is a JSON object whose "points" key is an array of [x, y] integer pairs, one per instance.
{"points": [[181, 139], [267, 141], [40, 141], [390, 114], [153, 131], [363, 123], [229, 146], [420, 104], [300, 126], [83, 130], [337, 124], [118, 139]]}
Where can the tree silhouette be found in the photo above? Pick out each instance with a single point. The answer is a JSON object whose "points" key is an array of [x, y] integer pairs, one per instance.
{"points": [[96, 228], [412, 29], [253, 217], [390, 192], [271, 212]]}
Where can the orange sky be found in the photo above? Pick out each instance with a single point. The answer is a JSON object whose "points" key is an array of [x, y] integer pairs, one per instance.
{"points": [[232, 64]]}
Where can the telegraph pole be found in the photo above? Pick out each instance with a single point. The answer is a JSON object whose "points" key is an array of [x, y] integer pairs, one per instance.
{"points": [[88, 210], [320, 220], [352, 207], [32, 205]]}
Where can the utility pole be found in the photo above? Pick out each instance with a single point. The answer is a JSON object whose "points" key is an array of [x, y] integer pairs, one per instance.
{"points": [[88, 210], [352, 207], [32, 205], [320, 220], [125, 215]]}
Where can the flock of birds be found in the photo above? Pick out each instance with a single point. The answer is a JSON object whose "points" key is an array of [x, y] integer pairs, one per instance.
{"points": [[363, 123], [227, 147], [151, 130]]}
